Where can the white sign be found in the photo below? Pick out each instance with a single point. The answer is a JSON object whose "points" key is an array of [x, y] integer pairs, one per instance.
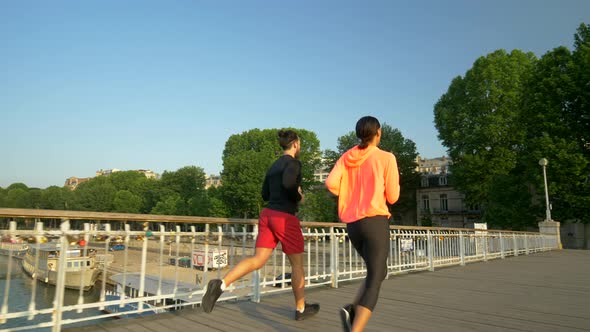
{"points": [[407, 244], [217, 259], [480, 237]]}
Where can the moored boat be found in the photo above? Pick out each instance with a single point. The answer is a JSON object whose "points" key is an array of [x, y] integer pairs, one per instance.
{"points": [[41, 262], [14, 247]]}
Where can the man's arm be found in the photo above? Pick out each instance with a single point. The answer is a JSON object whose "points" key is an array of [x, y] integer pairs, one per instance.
{"points": [[265, 189], [292, 180]]}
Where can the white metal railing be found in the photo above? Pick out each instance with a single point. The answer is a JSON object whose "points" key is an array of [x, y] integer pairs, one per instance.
{"points": [[146, 275]]}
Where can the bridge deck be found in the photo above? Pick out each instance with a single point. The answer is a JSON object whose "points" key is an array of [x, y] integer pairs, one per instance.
{"points": [[542, 292]]}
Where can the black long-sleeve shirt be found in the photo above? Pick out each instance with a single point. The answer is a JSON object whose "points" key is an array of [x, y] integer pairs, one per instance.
{"points": [[281, 185]]}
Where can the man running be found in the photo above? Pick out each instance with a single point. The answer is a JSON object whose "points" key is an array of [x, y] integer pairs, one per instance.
{"points": [[277, 223]]}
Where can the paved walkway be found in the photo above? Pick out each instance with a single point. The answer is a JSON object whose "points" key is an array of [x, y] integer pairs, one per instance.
{"points": [[541, 292]]}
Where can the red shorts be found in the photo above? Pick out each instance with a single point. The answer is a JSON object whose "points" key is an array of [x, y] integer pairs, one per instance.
{"points": [[276, 226]]}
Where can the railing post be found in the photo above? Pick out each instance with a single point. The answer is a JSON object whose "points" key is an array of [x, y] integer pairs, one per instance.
{"points": [[161, 254], [256, 278], [485, 246], [86, 241], [462, 247], [144, 249], [515, 244], [333, 258], [430, 246], [219, 248], [526, 244], [544, 239], [206, 262], [61, 276], [502, 254], [4, 311]]}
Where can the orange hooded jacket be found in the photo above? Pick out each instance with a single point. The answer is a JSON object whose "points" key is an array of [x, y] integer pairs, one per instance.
{"points": [[363, 180]]}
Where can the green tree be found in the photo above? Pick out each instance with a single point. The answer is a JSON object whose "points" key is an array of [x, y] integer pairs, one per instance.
{"points": [[151, 191], [18, 185], [579, 109], [35, 198], [126, 201], [17, 197], [580, 113], [509, 205], [198, 205], [170, 205], [555, 130], [96, 194], [246, 158], [477, 120], [56, 198], [509, 111], [404, 150], [189, 183], [3, 197], [319, 206], [128, 180], [217, 208]]}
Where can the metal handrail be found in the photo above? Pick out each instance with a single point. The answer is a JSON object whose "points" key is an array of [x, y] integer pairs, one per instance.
{"points": [[329, 258], [128, 217]]}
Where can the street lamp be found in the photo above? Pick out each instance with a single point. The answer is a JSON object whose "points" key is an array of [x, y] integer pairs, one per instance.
{"points": [[543, 162]]}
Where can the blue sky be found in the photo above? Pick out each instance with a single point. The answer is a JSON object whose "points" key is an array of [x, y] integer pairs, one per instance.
{"points": [[88, 85]]}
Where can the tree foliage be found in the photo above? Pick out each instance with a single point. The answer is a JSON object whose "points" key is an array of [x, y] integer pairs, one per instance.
{"points": [[126, 201], [319, 206], [507, 112], [217, 207], [247, 157], [180, 192], [477, 120]]}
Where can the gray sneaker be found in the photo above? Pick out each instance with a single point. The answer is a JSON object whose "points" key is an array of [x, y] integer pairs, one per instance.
{"points": [[211, 295], [310, 310]]}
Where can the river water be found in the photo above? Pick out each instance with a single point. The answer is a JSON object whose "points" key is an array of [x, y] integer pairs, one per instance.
{"points": [[20, 292]]}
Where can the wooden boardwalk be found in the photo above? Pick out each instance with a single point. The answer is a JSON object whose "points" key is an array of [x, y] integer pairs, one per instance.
{"points": [[542, 292]]}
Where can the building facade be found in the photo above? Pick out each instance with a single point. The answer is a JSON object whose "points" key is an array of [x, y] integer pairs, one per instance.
{"points": [[102, 172], [321, 174], [212, 181], [433, 166], [438, 202], [73, 182]]}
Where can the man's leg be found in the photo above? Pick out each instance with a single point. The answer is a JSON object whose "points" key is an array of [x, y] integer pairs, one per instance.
{"points": [[248, 265], [297, 280], [303, 310], [215, 287]]}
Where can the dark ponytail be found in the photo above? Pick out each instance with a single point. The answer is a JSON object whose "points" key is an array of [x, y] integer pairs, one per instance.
{"points": [[366, 129], [286, 138]]}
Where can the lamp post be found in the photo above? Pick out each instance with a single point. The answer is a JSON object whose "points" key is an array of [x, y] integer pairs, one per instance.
{"points": [[543, 162]]}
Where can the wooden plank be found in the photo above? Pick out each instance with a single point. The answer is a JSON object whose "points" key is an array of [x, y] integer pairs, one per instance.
{"points": [[541, 292]]}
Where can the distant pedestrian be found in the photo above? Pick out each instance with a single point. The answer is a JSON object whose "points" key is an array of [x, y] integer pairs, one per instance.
{"points": [[277, 223], [365, 179]]}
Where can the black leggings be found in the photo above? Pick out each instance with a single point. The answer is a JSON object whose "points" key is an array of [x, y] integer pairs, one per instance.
{"points": [[370, 238]]}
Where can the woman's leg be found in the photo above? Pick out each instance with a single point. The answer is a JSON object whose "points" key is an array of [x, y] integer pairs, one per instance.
{"points": [[371, 238]]}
